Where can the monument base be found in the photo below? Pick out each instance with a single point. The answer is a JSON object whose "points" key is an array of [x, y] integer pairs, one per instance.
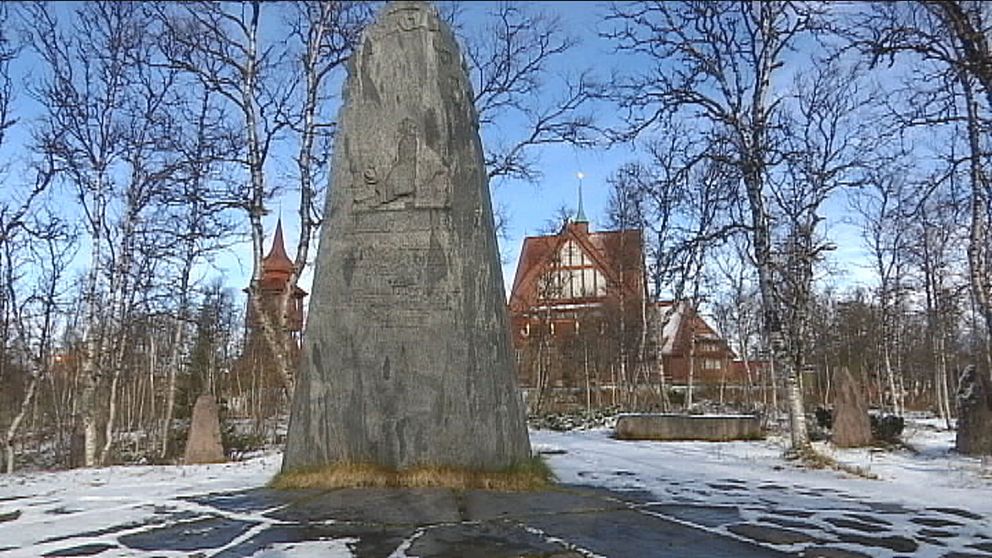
{"points": [[525, 476]]}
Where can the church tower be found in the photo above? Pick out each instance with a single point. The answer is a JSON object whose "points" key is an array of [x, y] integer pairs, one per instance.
{"points": [[276, 270], [256, 379]]}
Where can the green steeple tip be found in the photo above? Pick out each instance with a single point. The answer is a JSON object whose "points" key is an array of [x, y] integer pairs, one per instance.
{"points": [[580, 213]]}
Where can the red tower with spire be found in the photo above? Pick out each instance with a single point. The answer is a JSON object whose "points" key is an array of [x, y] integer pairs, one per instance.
{"points": [[257, 381], [276, 270]]}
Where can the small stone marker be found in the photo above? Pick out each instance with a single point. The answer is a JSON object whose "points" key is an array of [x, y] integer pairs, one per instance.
{"points": [[852, 425], [406, 357], [204, 442], [974, 405]]}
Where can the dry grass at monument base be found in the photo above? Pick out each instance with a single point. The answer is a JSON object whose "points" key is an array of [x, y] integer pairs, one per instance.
{"points": [[526, 476], [813, 459]]}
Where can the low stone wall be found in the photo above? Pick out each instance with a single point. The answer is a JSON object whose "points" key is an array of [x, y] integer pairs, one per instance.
{"points": [[712, 428]]}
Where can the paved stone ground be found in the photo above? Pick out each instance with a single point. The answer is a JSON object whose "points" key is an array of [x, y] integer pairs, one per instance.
{"points": [[568, 521]]}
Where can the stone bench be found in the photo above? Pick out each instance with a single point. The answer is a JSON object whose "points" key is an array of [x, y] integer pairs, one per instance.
{"points": [[673, 427]]}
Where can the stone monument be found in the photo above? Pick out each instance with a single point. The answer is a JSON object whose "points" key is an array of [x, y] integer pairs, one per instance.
{"points": [[406, 356], [204, 443], [851, 424], [974, 405]]}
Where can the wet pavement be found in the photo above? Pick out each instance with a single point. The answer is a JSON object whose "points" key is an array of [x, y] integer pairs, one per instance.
{"points": [[566, 521], [437, 523]]}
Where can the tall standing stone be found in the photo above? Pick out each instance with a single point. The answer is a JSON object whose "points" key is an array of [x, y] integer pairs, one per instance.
{"points": [[204, 442], [974, 406], [406, 358], [852, 425]]}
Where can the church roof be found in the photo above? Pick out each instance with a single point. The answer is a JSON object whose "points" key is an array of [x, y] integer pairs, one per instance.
{"points": [[610, 250], [277, 261]]}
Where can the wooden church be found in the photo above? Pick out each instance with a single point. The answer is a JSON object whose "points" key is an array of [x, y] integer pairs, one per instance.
{"points": [[584, 326], [257, 382]]}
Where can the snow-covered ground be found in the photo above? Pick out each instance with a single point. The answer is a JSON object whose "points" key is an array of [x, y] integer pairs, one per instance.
{"points": [[754, 478], [929, 489], [931, 476], [58, 506]]}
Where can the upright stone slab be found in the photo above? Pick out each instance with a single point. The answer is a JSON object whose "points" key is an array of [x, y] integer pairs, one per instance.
{"points": [[974, 406], [204, 442], [852, 425], [406, 356]]}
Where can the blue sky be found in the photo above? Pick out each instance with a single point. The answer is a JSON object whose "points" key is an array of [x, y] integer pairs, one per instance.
{"points": [[529, 205]]}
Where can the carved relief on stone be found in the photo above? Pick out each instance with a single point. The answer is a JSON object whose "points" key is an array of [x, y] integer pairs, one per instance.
{"points": [[418, 176], [404, 19], [364, 189]]}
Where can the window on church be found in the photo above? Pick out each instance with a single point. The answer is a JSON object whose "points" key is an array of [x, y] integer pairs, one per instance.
{"points": [[570, 254], [711, 364], [573, 276]]}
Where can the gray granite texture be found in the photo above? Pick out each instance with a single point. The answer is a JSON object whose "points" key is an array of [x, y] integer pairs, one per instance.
{"points": [[406, 356], [204, 442], [974, 405]]}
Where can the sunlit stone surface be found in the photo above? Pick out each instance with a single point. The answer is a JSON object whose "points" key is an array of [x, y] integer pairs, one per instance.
{"points": [[406, 354]]}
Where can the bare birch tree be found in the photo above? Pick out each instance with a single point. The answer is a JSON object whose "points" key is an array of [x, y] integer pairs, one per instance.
{"points": [[828, 146], [512, 63], [264, 81], [715, 62], [221, 47], [199, 219], [84, 96], [49, 248], [952, 37]]}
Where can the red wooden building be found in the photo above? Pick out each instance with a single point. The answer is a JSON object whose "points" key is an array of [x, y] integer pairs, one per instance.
{"points": [[583, 322], [276, 270], [256, 380]]}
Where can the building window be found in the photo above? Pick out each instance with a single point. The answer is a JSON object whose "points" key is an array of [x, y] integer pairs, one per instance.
{"points": [[711, 364], [578, 279], [571, 255], [551, 328], [525, 331], [710, 346]]}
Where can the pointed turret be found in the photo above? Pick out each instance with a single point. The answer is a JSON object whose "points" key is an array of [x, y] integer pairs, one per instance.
{"points": [[277, 262]]}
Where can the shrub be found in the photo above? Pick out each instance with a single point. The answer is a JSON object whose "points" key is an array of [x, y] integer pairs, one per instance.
{"points": [[887, 429], [824, 418]]}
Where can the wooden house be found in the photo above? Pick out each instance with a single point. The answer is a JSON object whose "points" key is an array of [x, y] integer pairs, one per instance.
{"points": [[584, 324]]}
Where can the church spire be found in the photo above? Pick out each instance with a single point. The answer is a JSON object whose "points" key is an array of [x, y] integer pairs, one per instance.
{"points": [[277, 260], [580, 214]]}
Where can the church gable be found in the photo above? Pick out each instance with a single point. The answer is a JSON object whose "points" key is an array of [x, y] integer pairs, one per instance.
{"points": [[576, 265], [572, 274]]}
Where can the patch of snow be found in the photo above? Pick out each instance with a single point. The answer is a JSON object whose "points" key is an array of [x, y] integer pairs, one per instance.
{"points": [[335, 548]]}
